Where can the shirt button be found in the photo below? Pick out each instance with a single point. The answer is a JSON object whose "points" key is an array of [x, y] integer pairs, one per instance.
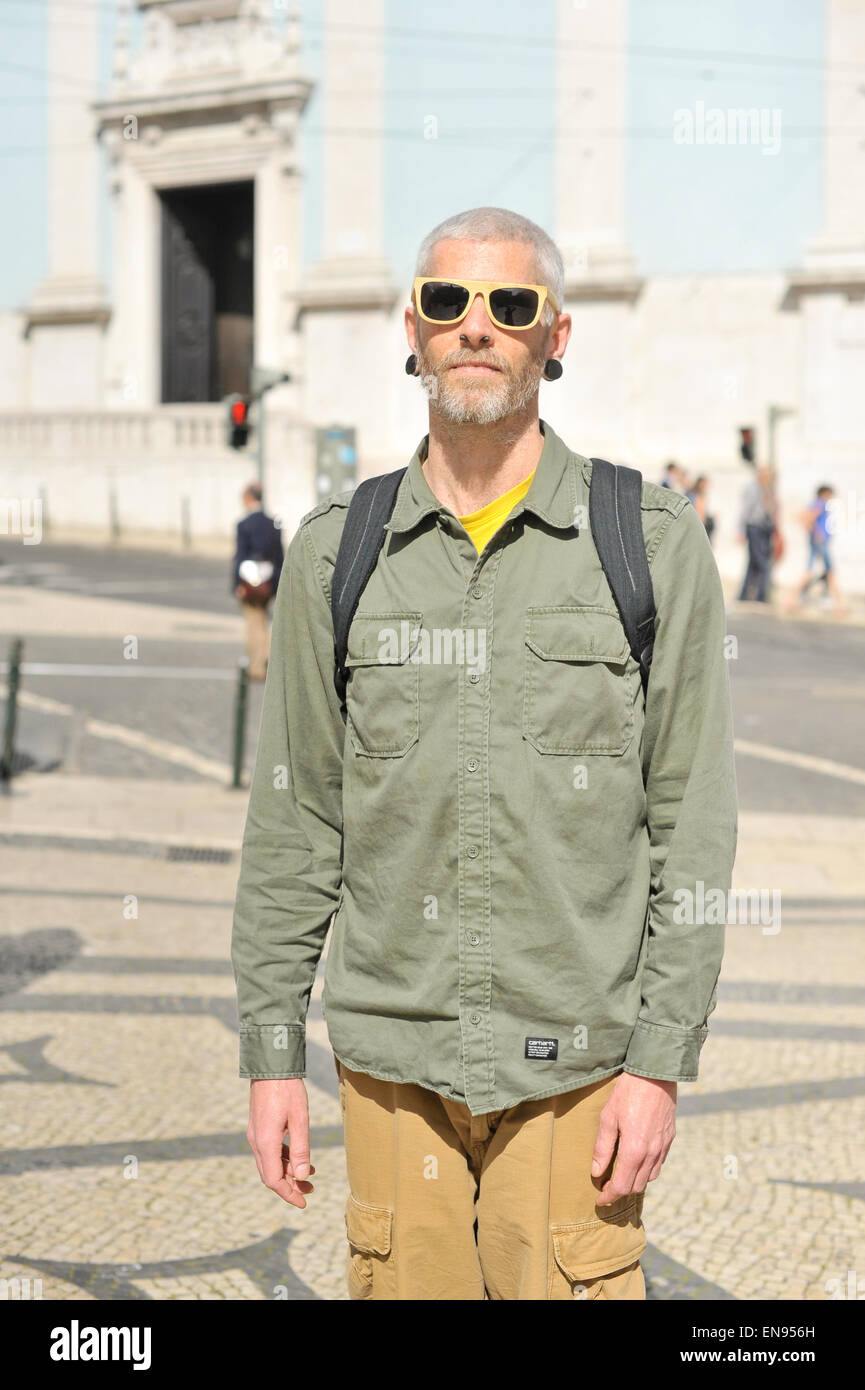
{"points": [[472, 851], [473, 938], [477, 591], [472, 764], [474, 677], [475, 1019]]}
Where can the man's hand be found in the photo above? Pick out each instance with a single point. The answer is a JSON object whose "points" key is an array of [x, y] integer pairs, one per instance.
{"points": [[641, 1114], [277, 1108]]}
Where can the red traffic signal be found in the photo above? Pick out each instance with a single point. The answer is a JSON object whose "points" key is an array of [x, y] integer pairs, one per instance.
{"points": [[238, 421]]}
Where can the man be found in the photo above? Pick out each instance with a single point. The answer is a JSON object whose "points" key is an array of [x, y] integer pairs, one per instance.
{"points": [[757, 523], [255, 572], [674, 477], [698, 496], [817, 520], [517, 977]]}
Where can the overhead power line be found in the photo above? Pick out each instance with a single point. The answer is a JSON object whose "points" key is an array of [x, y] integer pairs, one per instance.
{"points": [[521, 42]]}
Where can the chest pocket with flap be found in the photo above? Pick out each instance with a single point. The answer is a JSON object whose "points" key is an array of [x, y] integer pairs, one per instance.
{"points": [[580, 681], [383, 690]]}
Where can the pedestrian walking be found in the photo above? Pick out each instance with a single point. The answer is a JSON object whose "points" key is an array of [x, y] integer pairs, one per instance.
{"points": [[517, 850], [257, 565], [757, 524], [817, 521], [674, 477], [698, 496]]}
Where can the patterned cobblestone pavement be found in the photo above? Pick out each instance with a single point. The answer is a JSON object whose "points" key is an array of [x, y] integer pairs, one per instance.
{"points": [[124, 1170]]}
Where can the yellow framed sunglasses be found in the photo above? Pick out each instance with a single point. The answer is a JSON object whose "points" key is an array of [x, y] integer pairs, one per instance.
{"points": [[519, 307]]}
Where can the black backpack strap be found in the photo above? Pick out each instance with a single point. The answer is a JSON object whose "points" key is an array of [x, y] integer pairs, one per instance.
{"points": [[361, 541], [617, 529]]}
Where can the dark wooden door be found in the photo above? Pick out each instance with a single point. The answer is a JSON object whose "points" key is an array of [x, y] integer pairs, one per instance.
{"points": [[188, 329], [207, 291]]}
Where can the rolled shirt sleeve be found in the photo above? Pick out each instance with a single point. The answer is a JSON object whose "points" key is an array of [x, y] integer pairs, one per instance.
{"points": [[290, 872], [689, 774]]}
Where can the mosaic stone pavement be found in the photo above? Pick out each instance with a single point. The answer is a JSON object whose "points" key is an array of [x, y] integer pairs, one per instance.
{"points": [[125, 1173]]}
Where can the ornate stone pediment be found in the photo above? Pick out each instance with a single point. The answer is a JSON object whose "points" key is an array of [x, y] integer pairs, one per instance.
{"points": [[189, 44]]}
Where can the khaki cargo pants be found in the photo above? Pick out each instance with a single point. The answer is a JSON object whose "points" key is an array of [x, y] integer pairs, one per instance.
{"points": [[446, 1205]]}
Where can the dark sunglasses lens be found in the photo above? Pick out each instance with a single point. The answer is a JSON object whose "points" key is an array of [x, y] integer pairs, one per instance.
{"points": [[442, 301], [514, 308]]}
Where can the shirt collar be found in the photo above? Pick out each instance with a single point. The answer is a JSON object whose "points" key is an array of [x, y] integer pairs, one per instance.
{"points": [[551, 494]]}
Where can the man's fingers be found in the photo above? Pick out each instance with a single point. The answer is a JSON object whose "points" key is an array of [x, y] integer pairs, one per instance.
{"points": [[661, 1159], [608, 1133], [289, 1192], [632, 1175], [643, 1175], [303, 1184], [273, 1174], [270, 1165], [287, 1161], [297, 1149], [622, 1181]]}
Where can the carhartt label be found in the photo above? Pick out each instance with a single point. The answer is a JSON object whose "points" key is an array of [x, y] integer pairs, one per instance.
{"points": [[545, 1048]]}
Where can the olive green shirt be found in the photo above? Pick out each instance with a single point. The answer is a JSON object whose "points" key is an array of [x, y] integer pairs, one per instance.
{"points": [[516, 845]]}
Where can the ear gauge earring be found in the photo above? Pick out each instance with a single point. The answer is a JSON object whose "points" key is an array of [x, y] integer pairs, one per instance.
{"points": [[553, 369], [411, 365]]}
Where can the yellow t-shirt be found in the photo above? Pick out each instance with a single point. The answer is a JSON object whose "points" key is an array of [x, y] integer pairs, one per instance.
{"points": [[483, 524]]}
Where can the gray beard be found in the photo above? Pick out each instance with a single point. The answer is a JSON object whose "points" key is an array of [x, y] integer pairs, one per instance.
{"points": [[494, 401]]}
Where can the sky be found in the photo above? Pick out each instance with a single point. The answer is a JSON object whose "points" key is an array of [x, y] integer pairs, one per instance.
{"points": [[485, 74]]}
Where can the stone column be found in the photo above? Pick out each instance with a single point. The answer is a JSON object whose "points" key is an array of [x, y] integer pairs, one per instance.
{"points": [[595, 409], [348, 298], [68, 311], [841, 243], [134, 337], [828, 289], [352, 267], [591, 66]]}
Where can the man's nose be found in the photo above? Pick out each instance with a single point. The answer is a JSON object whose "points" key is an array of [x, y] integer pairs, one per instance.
{"points": [[476, 324]]}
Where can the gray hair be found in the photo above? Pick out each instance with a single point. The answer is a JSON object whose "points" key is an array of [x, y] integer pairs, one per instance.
{"points": [[499, 224]]}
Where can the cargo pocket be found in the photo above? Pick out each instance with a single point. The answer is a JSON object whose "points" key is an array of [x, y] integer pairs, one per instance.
{"points": [[583, 1252], [383, 689], [369, 1244], [581, 681]]}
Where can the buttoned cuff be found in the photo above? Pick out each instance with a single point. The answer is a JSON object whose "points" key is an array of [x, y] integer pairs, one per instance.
{"points": [[665, 1053], [275, 1051]]}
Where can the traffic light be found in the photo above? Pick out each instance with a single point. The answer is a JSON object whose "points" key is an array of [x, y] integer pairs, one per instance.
{"points": [[238, 421], [747, 442]]}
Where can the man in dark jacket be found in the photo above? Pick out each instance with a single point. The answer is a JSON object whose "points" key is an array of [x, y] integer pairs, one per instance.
{"points": [[255, 576]]}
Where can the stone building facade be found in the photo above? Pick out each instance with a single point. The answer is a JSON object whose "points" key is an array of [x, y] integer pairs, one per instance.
{"points": [[111, 406]]}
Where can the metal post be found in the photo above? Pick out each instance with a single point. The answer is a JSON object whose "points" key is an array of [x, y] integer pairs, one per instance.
{"points": [[262, 380], [776, 413], [240, 720], [260, 431], [8, 755], [185, 530], [113, 512]]}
